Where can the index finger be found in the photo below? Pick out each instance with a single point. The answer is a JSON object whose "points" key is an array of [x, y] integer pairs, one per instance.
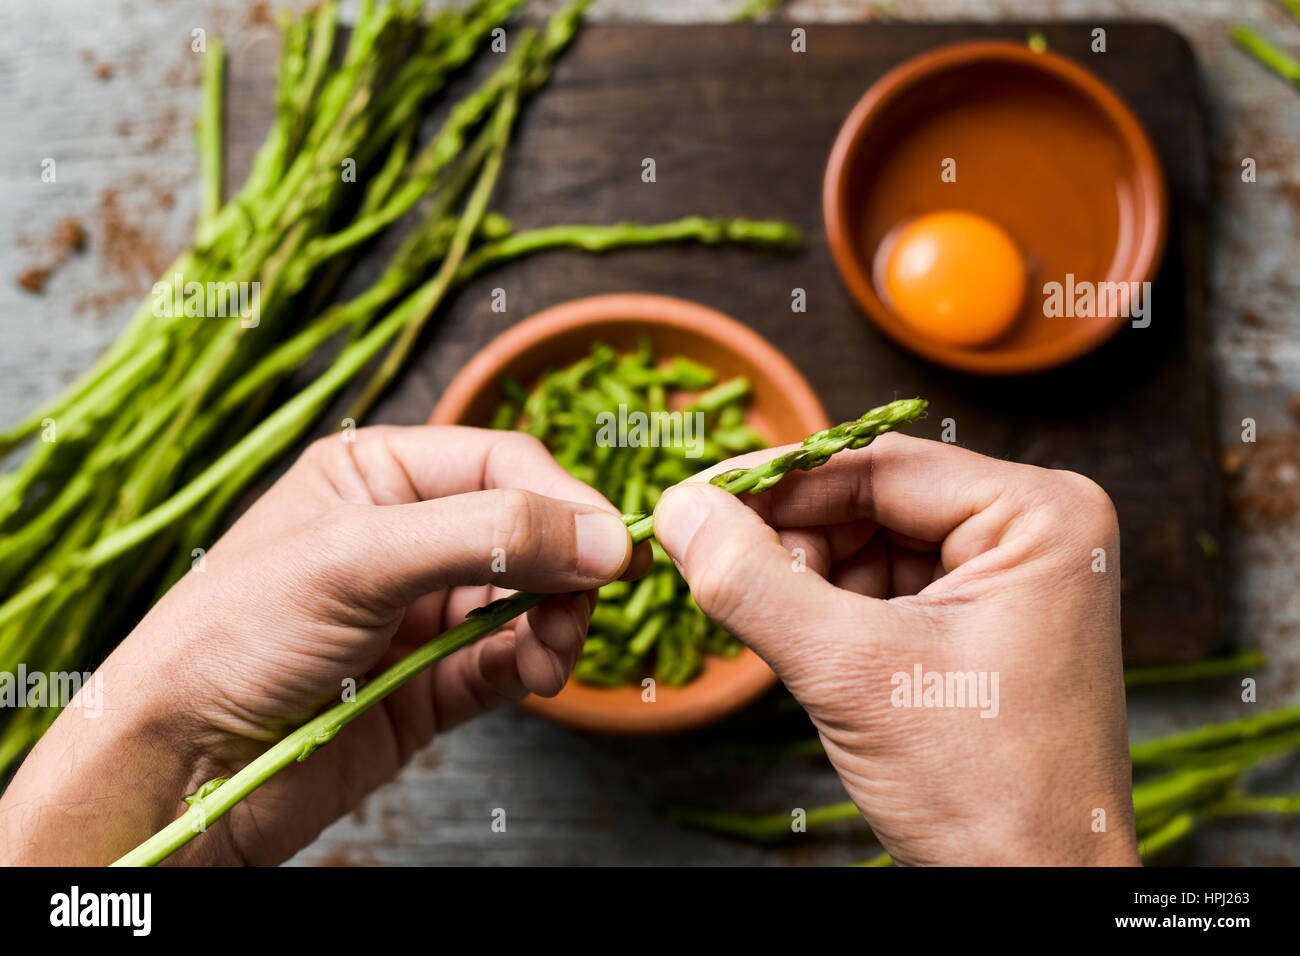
{"points": [[389, 464]]}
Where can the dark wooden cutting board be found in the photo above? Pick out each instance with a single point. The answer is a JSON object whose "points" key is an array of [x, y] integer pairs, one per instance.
{"points": [[739, 125]]}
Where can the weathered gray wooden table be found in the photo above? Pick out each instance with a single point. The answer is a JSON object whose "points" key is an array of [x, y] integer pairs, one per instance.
{"points": [[107, 89]]}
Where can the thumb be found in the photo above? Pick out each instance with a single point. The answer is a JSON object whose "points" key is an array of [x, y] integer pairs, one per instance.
{"points": [[743, 577]]}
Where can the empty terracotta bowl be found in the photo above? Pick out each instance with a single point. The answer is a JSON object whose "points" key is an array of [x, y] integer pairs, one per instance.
{"points": [[783, 409], [1032, 142]]}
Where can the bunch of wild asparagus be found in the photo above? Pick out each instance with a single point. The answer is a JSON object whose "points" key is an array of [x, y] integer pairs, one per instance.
{"points": [[570, 410], [133, 468]]}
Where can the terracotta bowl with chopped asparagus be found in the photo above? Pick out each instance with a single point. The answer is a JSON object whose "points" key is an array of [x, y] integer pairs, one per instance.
{"points": [[633, 393]]}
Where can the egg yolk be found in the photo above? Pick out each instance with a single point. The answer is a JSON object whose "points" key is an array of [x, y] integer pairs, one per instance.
{"points": [[953, 276]]}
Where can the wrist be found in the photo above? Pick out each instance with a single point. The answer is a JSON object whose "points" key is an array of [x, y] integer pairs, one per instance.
{"points": [[1056, 845], [123, 738]]}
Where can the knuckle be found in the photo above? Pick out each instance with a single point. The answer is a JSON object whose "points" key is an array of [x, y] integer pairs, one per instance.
{"points": [[1089, 501], [333, 456], [319, 452], [324, 543], [888, 440], [524, 442], [516, 447], [311, 562], [511, 452], [368, 437], [331, 451], [721, 585], [518, 525], [322, 561]]}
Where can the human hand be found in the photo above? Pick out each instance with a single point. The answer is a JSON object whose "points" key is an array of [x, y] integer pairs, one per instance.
{"points": [[924, 555], [364, 550]]}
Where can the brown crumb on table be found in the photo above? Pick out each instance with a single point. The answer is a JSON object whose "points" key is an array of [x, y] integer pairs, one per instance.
{"points": [[33, 278], [164, 130], [131, 255], [259, 15], [128, 249], [68, 238], [102, 71], [103, 301]]}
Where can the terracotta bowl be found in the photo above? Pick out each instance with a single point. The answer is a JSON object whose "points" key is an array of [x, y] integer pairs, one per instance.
{"points": [[1042, 147], [783, 408]]}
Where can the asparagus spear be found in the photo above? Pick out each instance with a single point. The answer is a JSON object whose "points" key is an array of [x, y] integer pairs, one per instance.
{"points": [[1161, 751], [763, 827], [1193, 670], [206, 808], [432, 293], [1273, 57], [818, 448], [628, 234], [210, 131]]}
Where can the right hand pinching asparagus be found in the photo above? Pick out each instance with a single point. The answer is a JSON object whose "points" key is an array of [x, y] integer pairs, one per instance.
{"points": [[951, 624]]}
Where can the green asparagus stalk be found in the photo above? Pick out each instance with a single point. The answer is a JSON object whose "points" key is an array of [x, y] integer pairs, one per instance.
{"points": [[1273, 57], [207, 808], [1177, 826], [818, 448], [210, 132], [630, 234], [1193, 670], [1164, 750], [1230, 804], [1165, 835], [1240, 804], [1153, 800], [763, 827], [1246, 752], [434, 291]]}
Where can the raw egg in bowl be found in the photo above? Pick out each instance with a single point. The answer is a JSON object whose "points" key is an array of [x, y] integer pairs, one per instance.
{"points": [[968, 181], [953, 276]]}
